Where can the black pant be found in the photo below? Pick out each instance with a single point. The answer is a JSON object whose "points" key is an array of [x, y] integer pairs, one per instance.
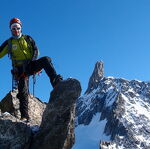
{"points": [[30, 69]]}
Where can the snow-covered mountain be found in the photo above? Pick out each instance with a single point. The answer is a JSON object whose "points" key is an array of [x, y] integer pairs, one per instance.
{"points": [[114, 113]]}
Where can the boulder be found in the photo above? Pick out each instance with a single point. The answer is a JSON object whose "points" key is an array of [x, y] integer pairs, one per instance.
{"points": [[57, 127], [10, 104]]}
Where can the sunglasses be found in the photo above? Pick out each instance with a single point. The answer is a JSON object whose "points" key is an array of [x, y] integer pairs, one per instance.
{"points": [[16, 28]]}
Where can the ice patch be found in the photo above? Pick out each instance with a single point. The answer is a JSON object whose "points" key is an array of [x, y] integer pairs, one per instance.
{"points": [[89, 136]]}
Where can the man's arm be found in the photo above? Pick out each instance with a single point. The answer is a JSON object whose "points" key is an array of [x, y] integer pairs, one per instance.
{"points": [[4, 49], [34, 47]]}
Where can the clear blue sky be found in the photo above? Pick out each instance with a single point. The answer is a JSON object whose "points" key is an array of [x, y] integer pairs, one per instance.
{"points": [[78, 33]]}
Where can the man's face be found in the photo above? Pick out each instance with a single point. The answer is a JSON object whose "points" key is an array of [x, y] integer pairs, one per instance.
{"points": [[16, 30]]}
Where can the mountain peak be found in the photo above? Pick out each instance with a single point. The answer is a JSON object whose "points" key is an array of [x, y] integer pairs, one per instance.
{"points": [[116, 114], [96, 76]]}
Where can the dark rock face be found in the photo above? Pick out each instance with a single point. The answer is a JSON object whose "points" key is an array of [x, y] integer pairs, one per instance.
{"points": [[11, 104], [14, 134], [57, 128]]}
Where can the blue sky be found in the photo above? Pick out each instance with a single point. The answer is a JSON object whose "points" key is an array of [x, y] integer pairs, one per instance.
{"points": [[78, 33]]}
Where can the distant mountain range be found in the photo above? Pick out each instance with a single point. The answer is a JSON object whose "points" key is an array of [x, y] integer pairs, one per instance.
{"points": [[114, 113]]}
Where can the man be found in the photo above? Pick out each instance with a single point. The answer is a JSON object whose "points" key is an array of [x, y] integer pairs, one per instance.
{"points": [[23, 53]]}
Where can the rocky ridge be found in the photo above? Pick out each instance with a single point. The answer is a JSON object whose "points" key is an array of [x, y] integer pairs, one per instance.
{"points": [[51, 125]]}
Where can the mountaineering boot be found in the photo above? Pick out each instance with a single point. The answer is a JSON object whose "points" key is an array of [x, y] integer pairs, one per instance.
{"points": [[56, 80]]}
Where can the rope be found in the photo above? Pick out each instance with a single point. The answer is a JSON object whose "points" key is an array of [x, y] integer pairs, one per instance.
{"points": [[34, 81]]}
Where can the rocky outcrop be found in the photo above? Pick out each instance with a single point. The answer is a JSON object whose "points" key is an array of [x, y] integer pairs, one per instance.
{"points": [[14, 134], [57, 123], [10, 104], [107, 145]]}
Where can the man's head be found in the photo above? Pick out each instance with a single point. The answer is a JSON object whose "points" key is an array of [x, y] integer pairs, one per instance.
{"points": [[16, 27]]}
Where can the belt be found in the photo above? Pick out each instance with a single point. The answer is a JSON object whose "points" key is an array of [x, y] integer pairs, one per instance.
{"points": [[20, 62]]}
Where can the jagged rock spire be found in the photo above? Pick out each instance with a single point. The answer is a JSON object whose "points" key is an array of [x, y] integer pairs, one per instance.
{"points": [[96, 76]]}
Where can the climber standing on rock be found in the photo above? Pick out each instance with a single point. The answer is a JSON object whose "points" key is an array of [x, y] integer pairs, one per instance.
{"points": [[23, 53]]}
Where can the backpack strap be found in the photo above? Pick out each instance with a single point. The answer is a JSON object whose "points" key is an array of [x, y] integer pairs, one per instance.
{"points": [[14, 80], [10, 48], [32, 46], [28, 41]]}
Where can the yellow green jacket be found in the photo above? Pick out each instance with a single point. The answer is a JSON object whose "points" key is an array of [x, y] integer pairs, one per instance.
{"points": [[20, 50]]}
